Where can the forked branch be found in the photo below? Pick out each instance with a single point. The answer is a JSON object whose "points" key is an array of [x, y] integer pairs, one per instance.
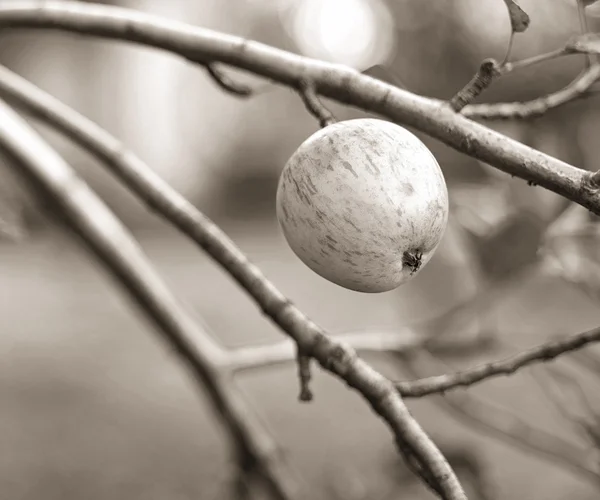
{"points": [[544, 352]]}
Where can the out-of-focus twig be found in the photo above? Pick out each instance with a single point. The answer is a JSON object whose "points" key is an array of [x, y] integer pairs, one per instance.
{"points": [[503, 425], [584, 27], [336, 357], [587, 360], [266, 355], [106, 237], [544, 352], [338, 82], [558, 404]]}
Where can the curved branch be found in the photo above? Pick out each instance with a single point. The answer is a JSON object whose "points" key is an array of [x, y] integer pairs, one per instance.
{"points": [[541, 353], [337, 357], [337, 82], [104, 235], [528, 109]]}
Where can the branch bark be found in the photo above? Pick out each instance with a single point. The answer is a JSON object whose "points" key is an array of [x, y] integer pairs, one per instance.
{"points": [[433, 117]]}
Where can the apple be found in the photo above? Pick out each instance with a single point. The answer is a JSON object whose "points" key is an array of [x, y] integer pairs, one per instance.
{"points": [[364, 204]]}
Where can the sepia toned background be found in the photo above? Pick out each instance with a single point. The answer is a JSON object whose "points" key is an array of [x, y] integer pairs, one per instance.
{"points": [[92, 403]]}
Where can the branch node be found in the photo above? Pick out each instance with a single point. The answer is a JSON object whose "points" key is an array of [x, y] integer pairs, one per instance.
{"points": [[488, 71], [315, 107]]}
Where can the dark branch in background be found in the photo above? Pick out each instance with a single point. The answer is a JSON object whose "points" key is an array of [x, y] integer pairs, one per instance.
{"points": [[541, 353], [106, 237], [330, 80], [336, 357], [560, 407], [314, 106]]}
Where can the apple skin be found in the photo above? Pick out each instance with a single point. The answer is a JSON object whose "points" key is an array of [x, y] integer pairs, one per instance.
{"points": [[364, 204]]}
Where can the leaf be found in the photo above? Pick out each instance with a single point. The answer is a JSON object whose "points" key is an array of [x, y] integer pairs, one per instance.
{"points": [[519, 20], [588, 43]]}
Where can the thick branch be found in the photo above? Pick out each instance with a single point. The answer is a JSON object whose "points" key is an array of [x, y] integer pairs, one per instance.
{"points": [[122, 257], [334, 81], [336, 357], [544, 352]]}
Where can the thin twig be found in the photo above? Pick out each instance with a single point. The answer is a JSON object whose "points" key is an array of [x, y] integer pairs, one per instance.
{"points": [[226, 83], [559, 407], [542, 353], [341, 83], [536, 107], [533, 60], [314, 105], [108, 239], [516, 432], [267, 355], [336, 357], [365, 342]]}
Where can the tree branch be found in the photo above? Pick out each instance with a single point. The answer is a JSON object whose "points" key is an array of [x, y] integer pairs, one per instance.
{"points": [[338, 82], [503, 425], [106, 237], [529, 109], [335, 356], [541, 353]]}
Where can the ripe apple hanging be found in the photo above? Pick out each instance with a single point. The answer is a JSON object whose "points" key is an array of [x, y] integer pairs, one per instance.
{"points": [[364, 204]]}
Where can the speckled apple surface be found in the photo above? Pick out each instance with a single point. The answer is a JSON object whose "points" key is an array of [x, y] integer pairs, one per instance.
{"points": [[356, 198]]}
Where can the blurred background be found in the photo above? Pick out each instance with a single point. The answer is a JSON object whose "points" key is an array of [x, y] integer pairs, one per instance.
{"points": [[93, 405]]}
